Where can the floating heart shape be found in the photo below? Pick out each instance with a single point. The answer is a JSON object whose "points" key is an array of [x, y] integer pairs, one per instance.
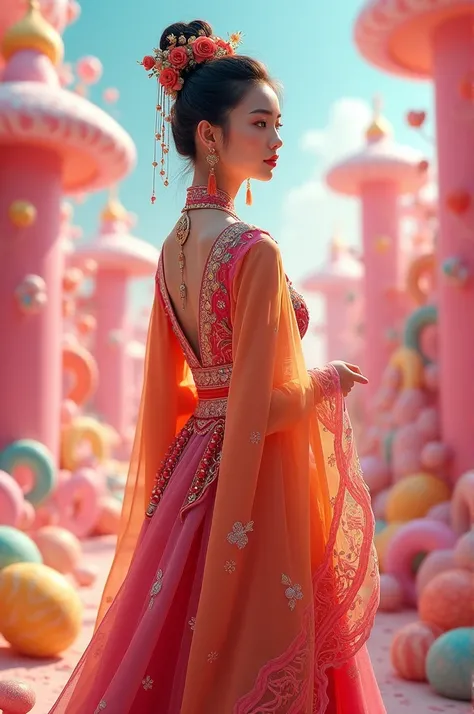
{"points": [[416, 119], [459, 202], [466, 87]]}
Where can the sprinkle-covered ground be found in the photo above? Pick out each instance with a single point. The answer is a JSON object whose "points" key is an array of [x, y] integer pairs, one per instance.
{"points": [[47, 677]]}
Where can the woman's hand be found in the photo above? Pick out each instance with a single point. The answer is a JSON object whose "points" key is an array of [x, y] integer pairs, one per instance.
{"points": [[349, 374]]}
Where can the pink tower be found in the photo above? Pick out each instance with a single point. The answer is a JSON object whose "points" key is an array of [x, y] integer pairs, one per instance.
{"points": [[379, 175], [51, 141], [435, 39], [339, 281], [119, 257]]}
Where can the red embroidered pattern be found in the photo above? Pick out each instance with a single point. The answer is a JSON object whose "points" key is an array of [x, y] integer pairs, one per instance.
{"points": [[208, 468], [168, 466]]}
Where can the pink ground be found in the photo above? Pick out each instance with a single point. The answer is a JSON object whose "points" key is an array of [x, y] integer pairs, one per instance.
{"points": [[47, 677]]}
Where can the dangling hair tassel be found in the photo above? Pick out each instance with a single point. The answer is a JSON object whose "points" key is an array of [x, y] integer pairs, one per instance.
{"points": [[248, 195]]}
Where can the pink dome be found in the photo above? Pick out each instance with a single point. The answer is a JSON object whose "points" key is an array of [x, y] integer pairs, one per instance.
{"points": [[341, 269], [395, 35], [96, 151], [121, 252], [378, 161], [56, 12]]}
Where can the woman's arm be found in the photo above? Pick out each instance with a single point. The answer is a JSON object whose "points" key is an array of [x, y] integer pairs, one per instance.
{"points": [[261, 279]]}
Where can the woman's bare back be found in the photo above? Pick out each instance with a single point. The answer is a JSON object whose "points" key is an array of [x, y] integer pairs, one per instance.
{"points": [[206, 226]]}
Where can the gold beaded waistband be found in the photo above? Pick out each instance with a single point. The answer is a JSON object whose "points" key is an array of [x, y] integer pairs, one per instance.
{"points": [[210, 408]]}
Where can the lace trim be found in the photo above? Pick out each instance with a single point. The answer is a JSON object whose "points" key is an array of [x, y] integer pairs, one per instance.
{"points": [[282, 686], [345, 586]]}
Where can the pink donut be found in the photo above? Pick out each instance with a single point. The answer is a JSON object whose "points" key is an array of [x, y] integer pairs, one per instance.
{"points": [[78, 503], [441, 512], [11, 501], [413, 539], [462, 504]]}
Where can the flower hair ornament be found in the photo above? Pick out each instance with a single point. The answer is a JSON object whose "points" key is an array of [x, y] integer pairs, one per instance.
{"points": [[170, 67]]}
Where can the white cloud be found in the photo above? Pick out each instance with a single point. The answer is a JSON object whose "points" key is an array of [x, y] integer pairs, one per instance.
{"points": [[312, 213]]}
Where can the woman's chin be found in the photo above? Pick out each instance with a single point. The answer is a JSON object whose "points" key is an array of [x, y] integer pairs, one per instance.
{"points": [[265, 175]]}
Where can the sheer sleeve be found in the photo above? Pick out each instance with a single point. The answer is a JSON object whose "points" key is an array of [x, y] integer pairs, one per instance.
{"points": [[259, 280]]}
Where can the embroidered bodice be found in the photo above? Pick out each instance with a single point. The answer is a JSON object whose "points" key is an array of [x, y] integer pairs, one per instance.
{"points": [[215, 324]]}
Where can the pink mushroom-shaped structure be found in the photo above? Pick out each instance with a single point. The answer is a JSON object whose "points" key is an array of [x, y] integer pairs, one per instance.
{"points": [[119, 257], [340, 282], [51, 142], [433, 39], [379, 174], [58, 13]]}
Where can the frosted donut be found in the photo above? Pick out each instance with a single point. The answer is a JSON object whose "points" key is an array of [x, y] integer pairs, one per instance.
{"points": [[78, 503], [81, 364], [83, 429], [412, 540], [420, 267], [36, 457], [462, 504], [410, 364], [415, 324]]}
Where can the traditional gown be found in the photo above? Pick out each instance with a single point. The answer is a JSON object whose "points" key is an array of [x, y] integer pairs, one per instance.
{"points": [[250, 586]]}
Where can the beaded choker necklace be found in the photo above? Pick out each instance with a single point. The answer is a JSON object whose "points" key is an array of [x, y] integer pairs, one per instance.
{"points": [[197, 197]]}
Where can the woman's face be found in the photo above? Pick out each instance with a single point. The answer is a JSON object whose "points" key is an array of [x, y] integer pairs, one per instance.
{"points": [[253, 140]]}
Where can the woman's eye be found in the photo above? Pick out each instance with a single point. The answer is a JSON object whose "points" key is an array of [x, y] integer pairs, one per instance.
{"points": [[262, 123], [279, 126]]}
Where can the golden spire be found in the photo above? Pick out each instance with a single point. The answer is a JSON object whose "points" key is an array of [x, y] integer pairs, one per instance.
{"points": [[113, 211], [33, 32], [380, 127]]}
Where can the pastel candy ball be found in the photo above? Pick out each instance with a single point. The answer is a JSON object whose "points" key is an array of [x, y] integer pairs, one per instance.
{"points": [[414, 496], [410, 648], [17, 547], [16, 697], [450, 664], [464, 551], [435, 563], [41, 613], [59, 547], [447, 600], [391, 593]]}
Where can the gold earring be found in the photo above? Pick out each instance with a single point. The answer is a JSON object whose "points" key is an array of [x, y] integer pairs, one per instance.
{"points": [[248, 195], [212, 159]]}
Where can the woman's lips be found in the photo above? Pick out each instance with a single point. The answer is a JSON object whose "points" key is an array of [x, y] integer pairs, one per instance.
{"points": [[272, 162]]}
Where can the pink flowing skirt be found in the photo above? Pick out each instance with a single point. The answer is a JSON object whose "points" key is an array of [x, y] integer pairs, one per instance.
{"points": [[141, 648]]}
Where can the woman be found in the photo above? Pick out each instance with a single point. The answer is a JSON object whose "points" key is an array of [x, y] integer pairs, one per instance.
{"points": [[251, 584]]}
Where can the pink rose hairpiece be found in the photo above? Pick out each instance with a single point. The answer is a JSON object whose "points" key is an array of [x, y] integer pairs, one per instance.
{"points": [[170, 67]]}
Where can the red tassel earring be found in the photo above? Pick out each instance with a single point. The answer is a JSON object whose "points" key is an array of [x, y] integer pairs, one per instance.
{"points": [[248, 195], [212, 159]]}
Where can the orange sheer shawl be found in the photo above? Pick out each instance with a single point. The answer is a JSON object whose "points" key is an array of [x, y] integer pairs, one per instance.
{"points": [[290, 586]]}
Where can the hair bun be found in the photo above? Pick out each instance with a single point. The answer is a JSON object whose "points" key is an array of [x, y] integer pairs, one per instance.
{"points": [[186, 29]]}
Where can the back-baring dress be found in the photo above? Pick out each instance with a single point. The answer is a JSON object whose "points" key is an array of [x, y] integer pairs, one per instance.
{"points": [[254, 583]]}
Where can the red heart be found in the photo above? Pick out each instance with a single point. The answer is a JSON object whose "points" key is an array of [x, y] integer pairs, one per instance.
{"points": [[466, 87], [459, 202], [416, 119]]}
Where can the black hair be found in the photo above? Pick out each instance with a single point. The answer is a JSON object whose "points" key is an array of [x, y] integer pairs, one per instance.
{"points": [[211, 90]]}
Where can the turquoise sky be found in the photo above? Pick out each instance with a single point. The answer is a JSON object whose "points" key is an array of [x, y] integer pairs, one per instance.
{"points": [[309, 49]]}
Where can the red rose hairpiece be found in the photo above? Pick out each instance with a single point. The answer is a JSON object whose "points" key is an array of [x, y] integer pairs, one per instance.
{"points": [[170, 67]]}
